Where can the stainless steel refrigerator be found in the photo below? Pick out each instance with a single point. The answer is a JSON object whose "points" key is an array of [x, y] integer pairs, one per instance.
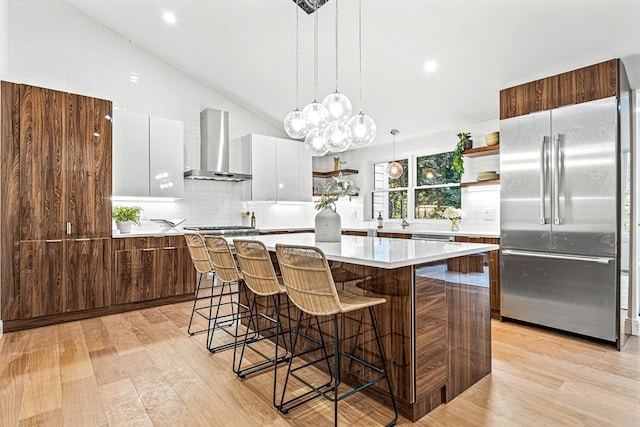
{"points": [[560, 176]]}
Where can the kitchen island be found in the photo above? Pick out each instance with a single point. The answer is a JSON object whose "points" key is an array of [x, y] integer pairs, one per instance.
{"points": [[435, 326]]}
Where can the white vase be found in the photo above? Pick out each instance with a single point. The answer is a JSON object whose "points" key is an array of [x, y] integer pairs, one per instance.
{"points": [[328, 225], [124, 226]]}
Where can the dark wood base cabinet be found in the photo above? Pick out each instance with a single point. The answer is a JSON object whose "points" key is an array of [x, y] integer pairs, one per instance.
{"points": [[59, 276], [494, 271], [148, 268]]}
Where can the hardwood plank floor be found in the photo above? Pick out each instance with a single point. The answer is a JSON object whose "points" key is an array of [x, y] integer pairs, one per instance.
{"points": [[142, 369]]}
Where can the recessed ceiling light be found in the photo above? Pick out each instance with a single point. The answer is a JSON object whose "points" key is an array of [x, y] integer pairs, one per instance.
{"points": [[430, 66], [169, 18]]}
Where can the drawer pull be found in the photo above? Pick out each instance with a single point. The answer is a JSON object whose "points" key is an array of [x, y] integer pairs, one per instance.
{"points": [[169, 247], [53, 241], [148, 249]]}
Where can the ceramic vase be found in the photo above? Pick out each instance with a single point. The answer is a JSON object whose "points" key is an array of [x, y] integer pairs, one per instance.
{"points": [[328, 225], [124, 226]]}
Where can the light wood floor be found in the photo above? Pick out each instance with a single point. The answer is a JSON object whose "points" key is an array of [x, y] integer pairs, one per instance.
{"points": [[142, 369]]}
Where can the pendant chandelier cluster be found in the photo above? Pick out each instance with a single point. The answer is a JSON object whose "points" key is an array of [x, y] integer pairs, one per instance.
{"points": [[328, 126]]}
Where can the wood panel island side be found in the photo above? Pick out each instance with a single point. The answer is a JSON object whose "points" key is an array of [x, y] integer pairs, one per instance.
{"points": [[435, 325]]}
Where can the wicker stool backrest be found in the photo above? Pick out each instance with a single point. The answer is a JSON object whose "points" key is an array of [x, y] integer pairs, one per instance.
{"points": [[256, 267], [222, 258], [198, 253], [307, 279]]}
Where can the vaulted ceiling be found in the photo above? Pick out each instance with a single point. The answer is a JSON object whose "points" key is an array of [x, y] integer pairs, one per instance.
{"points": [[246, 50]]}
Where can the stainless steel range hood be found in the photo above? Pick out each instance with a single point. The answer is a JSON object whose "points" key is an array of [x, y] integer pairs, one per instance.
{"points": [[214, 149]]}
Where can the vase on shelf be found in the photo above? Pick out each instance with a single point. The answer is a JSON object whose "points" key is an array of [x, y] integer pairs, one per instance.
{"points": [[328, 225], [455, 224]]}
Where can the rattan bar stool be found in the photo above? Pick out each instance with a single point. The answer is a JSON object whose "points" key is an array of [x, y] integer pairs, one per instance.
{"points": [[309, 284], [203, 301], [261, 279], [228, 275]]}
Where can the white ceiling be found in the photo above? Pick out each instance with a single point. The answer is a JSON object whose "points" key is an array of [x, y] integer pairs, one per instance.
{"points": [[245, 50]]}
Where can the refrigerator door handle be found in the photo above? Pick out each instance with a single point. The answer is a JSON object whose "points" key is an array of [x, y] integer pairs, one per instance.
{"points": [[556, 178], [543, 178], [596, 259]]}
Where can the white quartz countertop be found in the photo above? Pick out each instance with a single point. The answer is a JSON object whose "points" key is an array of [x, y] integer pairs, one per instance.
{"points": [[410, 230], [147, 233], [377, 251]]}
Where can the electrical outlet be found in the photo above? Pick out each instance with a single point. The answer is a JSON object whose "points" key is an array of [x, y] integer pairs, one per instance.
{"points": [[354, 215], [489, 214]]}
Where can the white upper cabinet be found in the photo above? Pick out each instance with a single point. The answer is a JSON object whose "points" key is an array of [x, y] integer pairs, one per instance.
{"points": [[166, 157], [148, 156], [281, 169]]}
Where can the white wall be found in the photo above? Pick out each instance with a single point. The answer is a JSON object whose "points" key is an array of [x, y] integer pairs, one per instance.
{"points": [[53, 45]]}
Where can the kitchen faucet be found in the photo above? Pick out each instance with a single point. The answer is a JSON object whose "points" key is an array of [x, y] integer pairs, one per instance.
{"points": [[404, 224]]}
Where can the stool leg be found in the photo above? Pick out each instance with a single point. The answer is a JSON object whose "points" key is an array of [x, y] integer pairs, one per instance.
{"points": [[384, 366], [195, 301], [336, 355]]}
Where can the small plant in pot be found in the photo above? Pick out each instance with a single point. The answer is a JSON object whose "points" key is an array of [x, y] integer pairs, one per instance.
{"points": [[464, 143], [124, 216]]}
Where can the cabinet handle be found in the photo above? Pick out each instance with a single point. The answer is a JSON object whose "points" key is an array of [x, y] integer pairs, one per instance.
{"points": [[68, 227], [83, 240], [148, 249], [53, 241], [168, 248]]}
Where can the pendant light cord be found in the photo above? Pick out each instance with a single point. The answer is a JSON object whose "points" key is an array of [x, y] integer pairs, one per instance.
{"points": [[360, 49], [315, 42], [297, 59], [337, 45]]}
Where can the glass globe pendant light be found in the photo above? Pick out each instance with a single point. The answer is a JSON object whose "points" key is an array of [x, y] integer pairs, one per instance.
{"points": [[394, 169], [336, 136], [315, 143], [337, 104], [295, 123], [362, 129]]}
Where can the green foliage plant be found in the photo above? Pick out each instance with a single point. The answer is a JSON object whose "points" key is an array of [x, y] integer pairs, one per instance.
{"points": [[126, 213], [458, 162], [339, 187]]}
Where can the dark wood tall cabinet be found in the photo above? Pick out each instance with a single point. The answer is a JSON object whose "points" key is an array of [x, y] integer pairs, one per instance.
{"points": [[56, 189]]}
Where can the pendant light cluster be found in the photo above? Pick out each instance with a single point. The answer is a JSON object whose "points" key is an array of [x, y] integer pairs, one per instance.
{"points": [[328, 126]]}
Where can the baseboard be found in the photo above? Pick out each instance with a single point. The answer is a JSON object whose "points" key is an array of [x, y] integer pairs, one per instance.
{"points": [[631, 327]]}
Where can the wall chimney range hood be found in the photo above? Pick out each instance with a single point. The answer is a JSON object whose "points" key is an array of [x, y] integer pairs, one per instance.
{"points": [[214, 149]]}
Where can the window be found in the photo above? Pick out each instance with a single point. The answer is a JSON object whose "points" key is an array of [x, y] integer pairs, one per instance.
{"points": [[390, 195], [436, 185]]}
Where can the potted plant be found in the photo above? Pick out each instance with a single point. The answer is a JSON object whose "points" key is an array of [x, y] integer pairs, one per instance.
{"points": [[328, 223], [464, 143], [124, 216]]}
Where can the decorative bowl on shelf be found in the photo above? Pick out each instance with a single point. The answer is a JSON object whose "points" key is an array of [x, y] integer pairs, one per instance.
{"points": [[492, 138], [487, 176]]}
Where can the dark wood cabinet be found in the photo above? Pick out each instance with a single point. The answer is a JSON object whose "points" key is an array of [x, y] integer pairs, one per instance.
{"points": [[88, 167], [393, 235], [354, 233], [148, 268], [56, 213], [42, 151], [88, 268], [585, 84], [494, 270], [43, 288]]}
